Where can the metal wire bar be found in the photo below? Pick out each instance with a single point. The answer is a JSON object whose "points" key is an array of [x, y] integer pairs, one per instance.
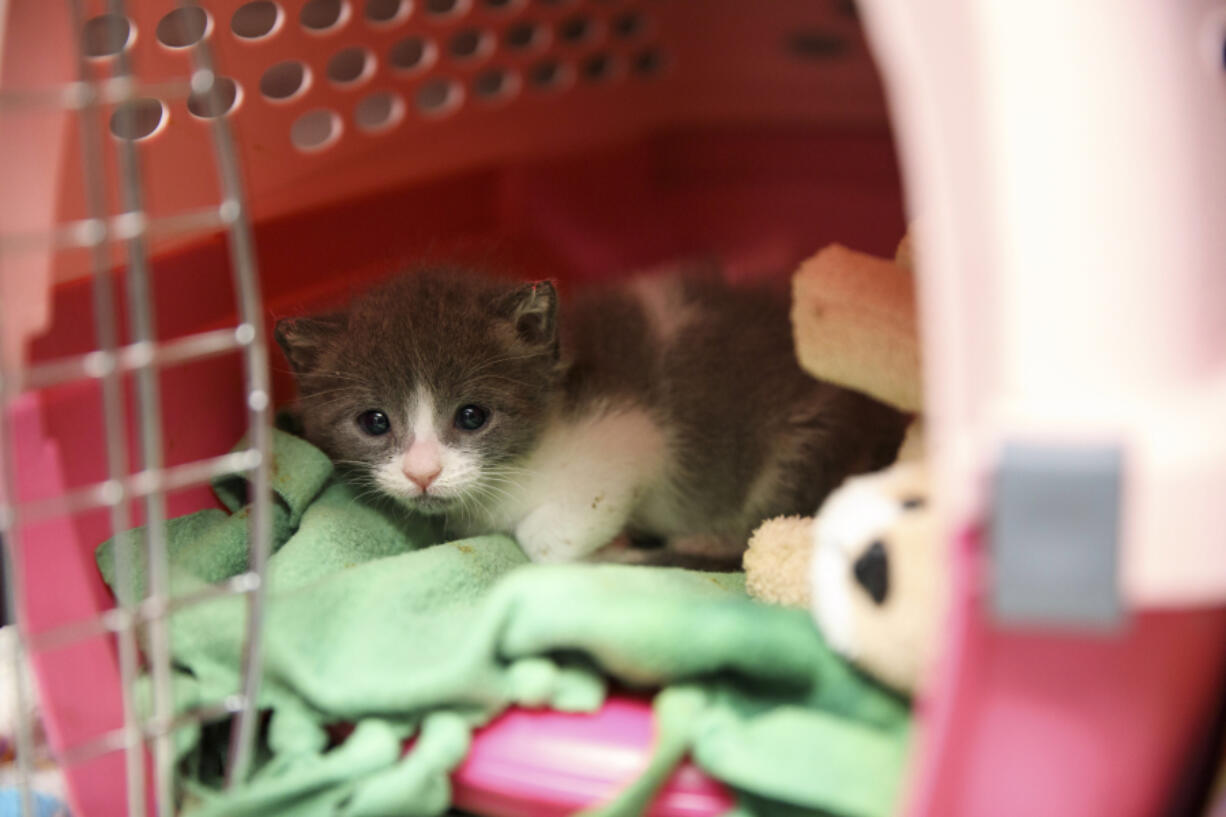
{"points": [[10, 553], [251, 312], [140, 315], [109, 361], [98, 230], [106, 333], [127, 619], [86, 94], [152, 729], [143, 356], [140, 485]]}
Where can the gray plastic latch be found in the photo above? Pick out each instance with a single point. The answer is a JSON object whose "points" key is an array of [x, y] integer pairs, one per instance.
{"points": [[1055, 536]]}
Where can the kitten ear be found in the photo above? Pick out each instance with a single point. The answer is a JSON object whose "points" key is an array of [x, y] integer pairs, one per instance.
{"points": [[302, 339], [533, 308]]}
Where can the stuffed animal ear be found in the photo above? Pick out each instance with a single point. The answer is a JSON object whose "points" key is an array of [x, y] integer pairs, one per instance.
{"points": [[854, 323], [777, 561], [303, 339], [533, 311]]}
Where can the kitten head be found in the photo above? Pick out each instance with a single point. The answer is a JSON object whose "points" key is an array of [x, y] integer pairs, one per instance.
{"points": [[430, 387]]}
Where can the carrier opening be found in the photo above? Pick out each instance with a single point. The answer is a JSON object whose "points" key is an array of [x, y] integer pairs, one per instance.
{"points": [[228, 612]]}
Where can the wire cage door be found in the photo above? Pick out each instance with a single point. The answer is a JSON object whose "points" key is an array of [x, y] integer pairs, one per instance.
{"points": [[68, 96]]}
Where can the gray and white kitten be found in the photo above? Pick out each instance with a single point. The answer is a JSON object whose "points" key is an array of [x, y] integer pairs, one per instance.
{"points": [[671, 407]]}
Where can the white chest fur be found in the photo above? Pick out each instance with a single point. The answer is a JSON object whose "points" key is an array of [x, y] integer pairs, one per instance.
{"points": [[581, 485]]}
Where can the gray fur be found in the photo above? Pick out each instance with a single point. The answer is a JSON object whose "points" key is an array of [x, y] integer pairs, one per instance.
{"points": [[753, 436], [469, 339]]}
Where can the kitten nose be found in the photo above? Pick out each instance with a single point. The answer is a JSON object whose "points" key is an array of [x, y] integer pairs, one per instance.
{"points": [[422, 463], [421, 480]]}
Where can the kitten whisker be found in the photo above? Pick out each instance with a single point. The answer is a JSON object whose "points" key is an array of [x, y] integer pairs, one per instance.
{"points": [[504, 378], [508, 358], [316, 394]]}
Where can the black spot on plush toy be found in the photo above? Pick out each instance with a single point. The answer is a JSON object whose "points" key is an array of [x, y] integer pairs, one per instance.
{"points": [[869, 565], [872, 571]]}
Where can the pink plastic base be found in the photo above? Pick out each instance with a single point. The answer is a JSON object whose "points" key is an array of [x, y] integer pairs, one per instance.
{"points": [[541, 763], [534, 763]]}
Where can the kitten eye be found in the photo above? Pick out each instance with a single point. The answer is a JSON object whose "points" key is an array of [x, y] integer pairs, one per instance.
{"points": [[470, 418], [374, 423]]}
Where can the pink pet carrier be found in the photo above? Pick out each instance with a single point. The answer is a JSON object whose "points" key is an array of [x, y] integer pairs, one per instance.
{"points": [[173, 175]]}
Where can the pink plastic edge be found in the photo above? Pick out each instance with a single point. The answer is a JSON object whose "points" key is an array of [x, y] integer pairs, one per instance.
{"points": [[84, 673], [541, 763], [1064, 724]]}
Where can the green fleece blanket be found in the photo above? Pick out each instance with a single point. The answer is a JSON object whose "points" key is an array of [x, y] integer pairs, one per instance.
{"points": [[371, 621]]}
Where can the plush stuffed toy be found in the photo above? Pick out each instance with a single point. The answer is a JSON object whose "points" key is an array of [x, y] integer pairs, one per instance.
{"points": [[869, 566], [878, 582]]}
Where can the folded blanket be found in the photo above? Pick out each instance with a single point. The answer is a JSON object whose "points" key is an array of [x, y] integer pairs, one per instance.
{"points": [[372, 621]]}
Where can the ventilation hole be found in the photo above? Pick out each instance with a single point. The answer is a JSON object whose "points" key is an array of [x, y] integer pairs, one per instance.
{"points": [[219, 99], [597, 68], [323, 15], [378, 112], [315, 130], [575, 30], [555, 2], [629, 25], [385, 11], [411, 54], [183, 27], [350, 65], [438, 96], [494, 84], [446, 8], [648, 63], [816, 45], [547, 75], [469, 44], [525, 36], [105, 35], [253, 21], [285, 80], [138, 119], [502, 5]]}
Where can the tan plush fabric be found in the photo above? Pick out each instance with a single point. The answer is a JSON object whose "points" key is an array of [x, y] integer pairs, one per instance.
{"points": [[777, 561], [853, 318], [902, 255]]}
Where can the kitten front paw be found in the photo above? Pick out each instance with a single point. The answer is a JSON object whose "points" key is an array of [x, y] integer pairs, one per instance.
{"points": [[549, 535]]}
